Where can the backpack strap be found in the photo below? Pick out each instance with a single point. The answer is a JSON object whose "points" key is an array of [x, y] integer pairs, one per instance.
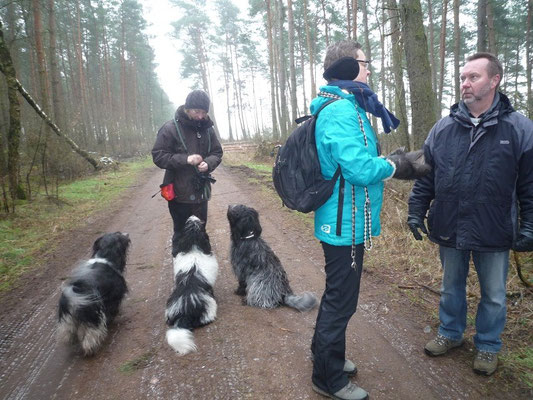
{"points": [[210, 131], [181, 136]]}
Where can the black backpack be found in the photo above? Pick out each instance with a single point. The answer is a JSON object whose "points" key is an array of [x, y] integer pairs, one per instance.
{"points": [[296, 172]]}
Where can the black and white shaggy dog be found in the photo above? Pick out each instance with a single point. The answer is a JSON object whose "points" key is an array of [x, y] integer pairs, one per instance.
{"points": [[91, 297], [261, 276], [192, 303]]}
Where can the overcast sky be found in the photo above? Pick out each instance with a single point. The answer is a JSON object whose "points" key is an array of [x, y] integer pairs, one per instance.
{"points": [[159, 14]]}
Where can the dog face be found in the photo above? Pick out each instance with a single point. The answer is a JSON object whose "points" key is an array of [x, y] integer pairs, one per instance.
{"points": [[243, 221], [113, 247], [194, 234]]}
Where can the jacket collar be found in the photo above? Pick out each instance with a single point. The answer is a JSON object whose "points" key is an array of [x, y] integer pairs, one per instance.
{"points": [[182, 117], [500, 106]]}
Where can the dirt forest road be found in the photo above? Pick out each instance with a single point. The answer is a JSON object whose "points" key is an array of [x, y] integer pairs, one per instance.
{"points": [[246, 353]]}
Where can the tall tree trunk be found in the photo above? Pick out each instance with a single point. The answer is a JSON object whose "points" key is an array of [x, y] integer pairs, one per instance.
{"points": [[354, 24], [302, 68], [254, 97], [226, 72], [122, 46], [397, 62], [482, 25], [416, 52], [275, 131], [442, 55], [292, 66], [381, 27], [81, 71], [54, 70], [368, 51], [457, 50], [310, 50], [43, 82], [282, 72], [528, 57], [349, 19], [431, 29], [325, 20], [13, 133], [491, 30]]}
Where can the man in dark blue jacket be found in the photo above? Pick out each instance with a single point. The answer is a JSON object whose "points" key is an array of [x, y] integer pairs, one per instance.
{"points": [[480, 200]]}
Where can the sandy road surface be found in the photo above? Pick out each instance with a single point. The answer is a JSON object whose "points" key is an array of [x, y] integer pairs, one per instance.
{"points": [[246, 353]]}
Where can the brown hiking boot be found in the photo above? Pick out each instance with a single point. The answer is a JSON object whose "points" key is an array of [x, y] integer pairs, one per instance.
{"points": [[485, 363], [440, 345]]}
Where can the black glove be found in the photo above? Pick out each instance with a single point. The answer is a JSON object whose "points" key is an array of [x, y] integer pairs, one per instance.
{"points": [[416, 223], [409, 165], [523, 243], [199, 180]]}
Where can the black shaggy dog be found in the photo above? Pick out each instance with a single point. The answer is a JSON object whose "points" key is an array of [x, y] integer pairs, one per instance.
{"points": [[261, 276], [192, 303], [91, 298]]}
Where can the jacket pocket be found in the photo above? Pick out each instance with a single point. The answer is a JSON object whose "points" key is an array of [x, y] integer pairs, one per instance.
{"points": [[442, 221]]}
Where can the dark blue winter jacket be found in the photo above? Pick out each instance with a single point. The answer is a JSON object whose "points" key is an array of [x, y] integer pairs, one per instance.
{"points": [[480, 190]]}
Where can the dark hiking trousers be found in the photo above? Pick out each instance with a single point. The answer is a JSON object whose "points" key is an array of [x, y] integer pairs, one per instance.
{"points": [[180, 212], [337, 306]]}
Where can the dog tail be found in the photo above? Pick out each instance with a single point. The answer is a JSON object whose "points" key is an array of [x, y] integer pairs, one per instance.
{"points": [[81, 318], [304, 302], [181, 340]]}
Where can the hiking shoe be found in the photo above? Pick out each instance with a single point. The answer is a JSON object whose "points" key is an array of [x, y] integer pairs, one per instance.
{"points": [[348, 392], [440, 345], [350, 368], [485, 363]]}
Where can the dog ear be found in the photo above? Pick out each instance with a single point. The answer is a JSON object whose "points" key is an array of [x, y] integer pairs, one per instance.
{"points": [[256, 224], [96, 245]]}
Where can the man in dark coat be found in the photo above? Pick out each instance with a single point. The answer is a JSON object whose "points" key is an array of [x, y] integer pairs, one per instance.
{"points": [[480, 200], [188, 149]]}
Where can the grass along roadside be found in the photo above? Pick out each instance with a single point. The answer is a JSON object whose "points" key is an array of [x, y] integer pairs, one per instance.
{"points": [[413, 268], [32, 230]]}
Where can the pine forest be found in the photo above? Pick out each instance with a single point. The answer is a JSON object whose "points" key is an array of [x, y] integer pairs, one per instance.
{"points": [[79, 82]]}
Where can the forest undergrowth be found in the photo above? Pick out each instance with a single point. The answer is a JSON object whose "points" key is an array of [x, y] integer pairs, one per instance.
{"points": [[31, 233]]}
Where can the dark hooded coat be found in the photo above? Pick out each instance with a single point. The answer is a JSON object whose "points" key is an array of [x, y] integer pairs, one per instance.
{"points": [[170, 153]]}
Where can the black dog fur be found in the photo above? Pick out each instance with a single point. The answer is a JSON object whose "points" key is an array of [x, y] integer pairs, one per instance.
{"points": [[192, 303], [91, 298], [262, 279]]}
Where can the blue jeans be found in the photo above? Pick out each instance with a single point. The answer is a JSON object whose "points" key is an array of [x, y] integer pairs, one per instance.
{"points": [[491, 268]]}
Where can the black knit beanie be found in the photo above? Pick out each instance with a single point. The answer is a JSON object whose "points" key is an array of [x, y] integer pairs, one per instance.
{"points": [[345, 68], [197, 99]]}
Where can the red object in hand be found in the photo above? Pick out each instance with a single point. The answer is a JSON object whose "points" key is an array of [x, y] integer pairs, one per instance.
{"points": [[167, 192]]}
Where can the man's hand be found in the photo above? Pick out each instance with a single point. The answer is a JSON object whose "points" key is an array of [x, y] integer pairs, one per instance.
{"points": [[409, 165], [203, 167], [523, 243], [194, 159], [416, 223]]}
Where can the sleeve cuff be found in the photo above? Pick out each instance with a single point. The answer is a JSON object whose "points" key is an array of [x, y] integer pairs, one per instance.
{"points": [[393, 168]]}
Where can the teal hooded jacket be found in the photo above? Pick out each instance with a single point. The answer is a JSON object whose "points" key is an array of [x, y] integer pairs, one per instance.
{"points": [[340, 141]]}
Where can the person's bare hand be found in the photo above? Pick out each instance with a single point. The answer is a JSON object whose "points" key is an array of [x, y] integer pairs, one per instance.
{"points": [[203, 167], [195, 159]]}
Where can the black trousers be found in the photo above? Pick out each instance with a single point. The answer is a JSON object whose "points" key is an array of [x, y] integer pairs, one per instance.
{"points": [[180, 212], [337, 306]]}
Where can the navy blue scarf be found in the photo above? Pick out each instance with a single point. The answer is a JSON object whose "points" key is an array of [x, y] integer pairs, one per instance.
{"points": [[368, 100]]}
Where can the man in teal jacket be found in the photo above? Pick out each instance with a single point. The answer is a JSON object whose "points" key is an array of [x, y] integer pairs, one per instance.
{"points": [[345, 225]]}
